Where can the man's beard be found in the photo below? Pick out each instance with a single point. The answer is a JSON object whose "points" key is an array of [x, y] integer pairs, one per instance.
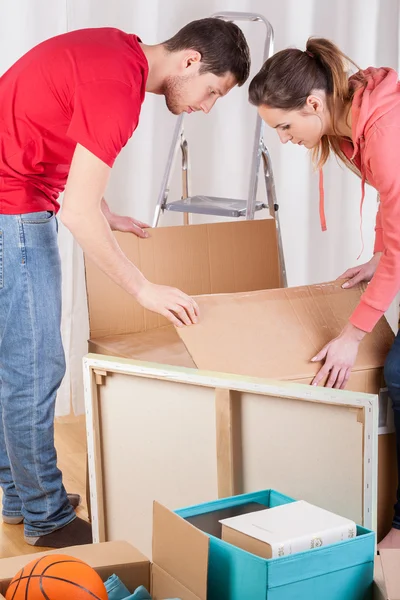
{"points": [[173, 92]]}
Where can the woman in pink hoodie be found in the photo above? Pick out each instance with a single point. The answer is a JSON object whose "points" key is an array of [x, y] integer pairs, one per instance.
{"points": [[309, 98]]}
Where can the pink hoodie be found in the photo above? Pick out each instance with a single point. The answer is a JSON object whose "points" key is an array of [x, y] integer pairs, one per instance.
{"points": [[376, 153]]}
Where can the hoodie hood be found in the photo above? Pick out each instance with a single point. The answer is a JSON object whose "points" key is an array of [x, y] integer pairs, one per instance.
{"points": [[375, 92]]}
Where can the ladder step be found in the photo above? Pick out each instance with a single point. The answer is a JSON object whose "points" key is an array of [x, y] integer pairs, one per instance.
{"points": [[210, 205]]}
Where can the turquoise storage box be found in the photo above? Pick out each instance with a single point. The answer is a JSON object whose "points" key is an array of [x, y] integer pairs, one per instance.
{"points": [[342, 571]]}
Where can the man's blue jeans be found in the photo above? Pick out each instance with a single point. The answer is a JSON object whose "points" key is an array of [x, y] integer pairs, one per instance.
{"points": [[32, 366], [392, 378]]}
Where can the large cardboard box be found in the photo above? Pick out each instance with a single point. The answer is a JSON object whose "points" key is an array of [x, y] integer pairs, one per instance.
{"points": [[270, 334]]}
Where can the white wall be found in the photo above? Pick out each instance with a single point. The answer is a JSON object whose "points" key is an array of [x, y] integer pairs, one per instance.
{"points": [[221, 142]]}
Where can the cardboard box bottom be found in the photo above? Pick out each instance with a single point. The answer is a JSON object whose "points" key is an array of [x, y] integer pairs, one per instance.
{"points": [[161, 345]]}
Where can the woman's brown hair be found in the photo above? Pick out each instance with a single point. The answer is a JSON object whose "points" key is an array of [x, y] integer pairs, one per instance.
{"points": [[287, 79]]}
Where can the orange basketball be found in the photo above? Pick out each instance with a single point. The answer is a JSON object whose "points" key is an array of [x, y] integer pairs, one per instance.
{"points": [[56, 577]]}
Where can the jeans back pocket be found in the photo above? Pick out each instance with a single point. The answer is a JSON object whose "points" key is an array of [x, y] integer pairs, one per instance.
{"points": [[37, 218]]}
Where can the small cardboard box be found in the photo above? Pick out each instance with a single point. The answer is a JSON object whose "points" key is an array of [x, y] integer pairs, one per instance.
{"points": [[342, 571], [110, 557], [179, 567]]}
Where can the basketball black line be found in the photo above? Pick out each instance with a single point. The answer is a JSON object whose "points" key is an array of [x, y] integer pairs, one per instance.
{"points": [[41, 576], [22, 576], [58, 562], [30, 575], [17, 582], [65, 581]]}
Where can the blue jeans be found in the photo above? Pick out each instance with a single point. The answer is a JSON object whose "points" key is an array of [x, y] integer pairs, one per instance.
{"points": [[392, 378], [32, 366]]}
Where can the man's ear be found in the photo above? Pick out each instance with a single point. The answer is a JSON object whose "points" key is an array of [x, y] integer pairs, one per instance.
{"points": [[192, 57]]}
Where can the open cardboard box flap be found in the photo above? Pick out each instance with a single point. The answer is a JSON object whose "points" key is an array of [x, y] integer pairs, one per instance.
{"points": [[390, 561], [200, 259], [180, 557], [275, 333]]}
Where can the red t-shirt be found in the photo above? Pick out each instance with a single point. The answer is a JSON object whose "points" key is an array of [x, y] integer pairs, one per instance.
{"points": [[85, 87]]}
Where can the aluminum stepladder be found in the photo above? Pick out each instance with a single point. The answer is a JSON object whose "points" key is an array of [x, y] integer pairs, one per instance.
{"points": [[226, 207]]}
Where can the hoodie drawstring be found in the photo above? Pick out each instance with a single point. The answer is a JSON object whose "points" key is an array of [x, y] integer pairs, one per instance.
{"points": [[322, 201], [363, 178], [361, 215]]}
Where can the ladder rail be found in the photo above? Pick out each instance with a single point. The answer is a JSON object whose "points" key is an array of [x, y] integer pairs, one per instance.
{"points": [[185, 174], [166, 180], [259, 128], [273, 207]]}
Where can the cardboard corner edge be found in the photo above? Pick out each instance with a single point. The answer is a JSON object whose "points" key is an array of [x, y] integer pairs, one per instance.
{"points": [[379, 588], [391, 579], [165, 586], [180, 550]]}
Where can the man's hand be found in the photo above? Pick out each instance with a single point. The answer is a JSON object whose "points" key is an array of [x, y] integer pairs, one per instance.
{"points": [[127, 224], [360, 273], [173, 304], [340, 355], [118, 223]]}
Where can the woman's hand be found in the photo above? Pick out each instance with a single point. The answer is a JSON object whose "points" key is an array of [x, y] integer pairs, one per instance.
{"points": [[340, 355], [363, 272]]}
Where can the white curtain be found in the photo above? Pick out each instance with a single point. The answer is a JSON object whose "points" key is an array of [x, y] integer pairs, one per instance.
{"points": [[220, 143]]}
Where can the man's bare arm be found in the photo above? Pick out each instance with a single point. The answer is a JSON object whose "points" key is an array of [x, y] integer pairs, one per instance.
{"points": [[82, 214]]}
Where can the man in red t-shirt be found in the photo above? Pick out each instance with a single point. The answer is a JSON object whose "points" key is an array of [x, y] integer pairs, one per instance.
{"points": [[67, 109]]}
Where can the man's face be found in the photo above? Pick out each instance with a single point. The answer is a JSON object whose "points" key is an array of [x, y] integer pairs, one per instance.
{"points": [[194, 91]]}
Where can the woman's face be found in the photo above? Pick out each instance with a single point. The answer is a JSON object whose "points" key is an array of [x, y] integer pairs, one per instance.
{"points": [[304, 127]]}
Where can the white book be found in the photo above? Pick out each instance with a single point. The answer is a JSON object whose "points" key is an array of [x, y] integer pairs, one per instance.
{"points": [[287, 529]]}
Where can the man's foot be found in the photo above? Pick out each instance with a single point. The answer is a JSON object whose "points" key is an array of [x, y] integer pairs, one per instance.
{"points": [[76, 533], [391, 541], [74, 500]]}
